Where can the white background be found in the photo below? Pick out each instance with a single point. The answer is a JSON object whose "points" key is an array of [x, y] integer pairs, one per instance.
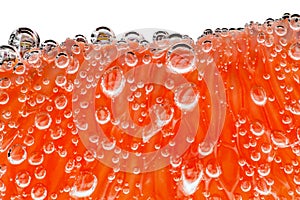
{"points": [[59, 19]]}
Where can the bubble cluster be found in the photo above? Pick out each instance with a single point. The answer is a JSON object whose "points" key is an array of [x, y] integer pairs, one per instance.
{"points": [[152, 116]]}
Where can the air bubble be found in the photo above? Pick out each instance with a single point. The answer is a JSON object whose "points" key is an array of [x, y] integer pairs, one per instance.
{"points": [[181, 58], [295, 22], [8, 58], [246, 186], [24, 39], [131, 59], [23, 179], [40, 172], [294, 51], [213, 170], [4, 98], [206, 46], [38, 192], [42, 121], [84, 185], [103, 36], [19, 69], [102, 115], [61, 102], [62, 60], [33, 58], [261, 37], [17, 154], [5, 83], [36, 158], [186, 97], [257, 128], [80, 38], [280, 30], [49, 50], [279, 139], [113, 82], [160, 37], [258, 95]]}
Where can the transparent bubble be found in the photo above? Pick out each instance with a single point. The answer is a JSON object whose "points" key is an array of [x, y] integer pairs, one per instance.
{"points": [[295, 108], [40, 172], [213, 170], [73, 68], [245, 186], [205, 149], [190, 179], [19, 69], [33, 58], [262, 187], [62, 60], [175, 38], [102, 115], [258, 95], [76, 49], [257, 128], [181, 58], [49, 148], [38, 192], [279, 139], [103, 36], [23, 179], [28, 140], [186, 97], [42, 120], [5, 83], [61, 102], [175, 161], [49, 49], [264, 169], [294, 51], [108, 145], [84, 185], [60, 80], [159, 37], [36, 158], [131, 59], [8, 58], [295, 22], [4, 98], [261, 37], [17, 154], [161, 114], [80, 38], [133, 38], [266, 147], [206, 46], [113, 82], [24, 39], [280, 30], [147, 59]]}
